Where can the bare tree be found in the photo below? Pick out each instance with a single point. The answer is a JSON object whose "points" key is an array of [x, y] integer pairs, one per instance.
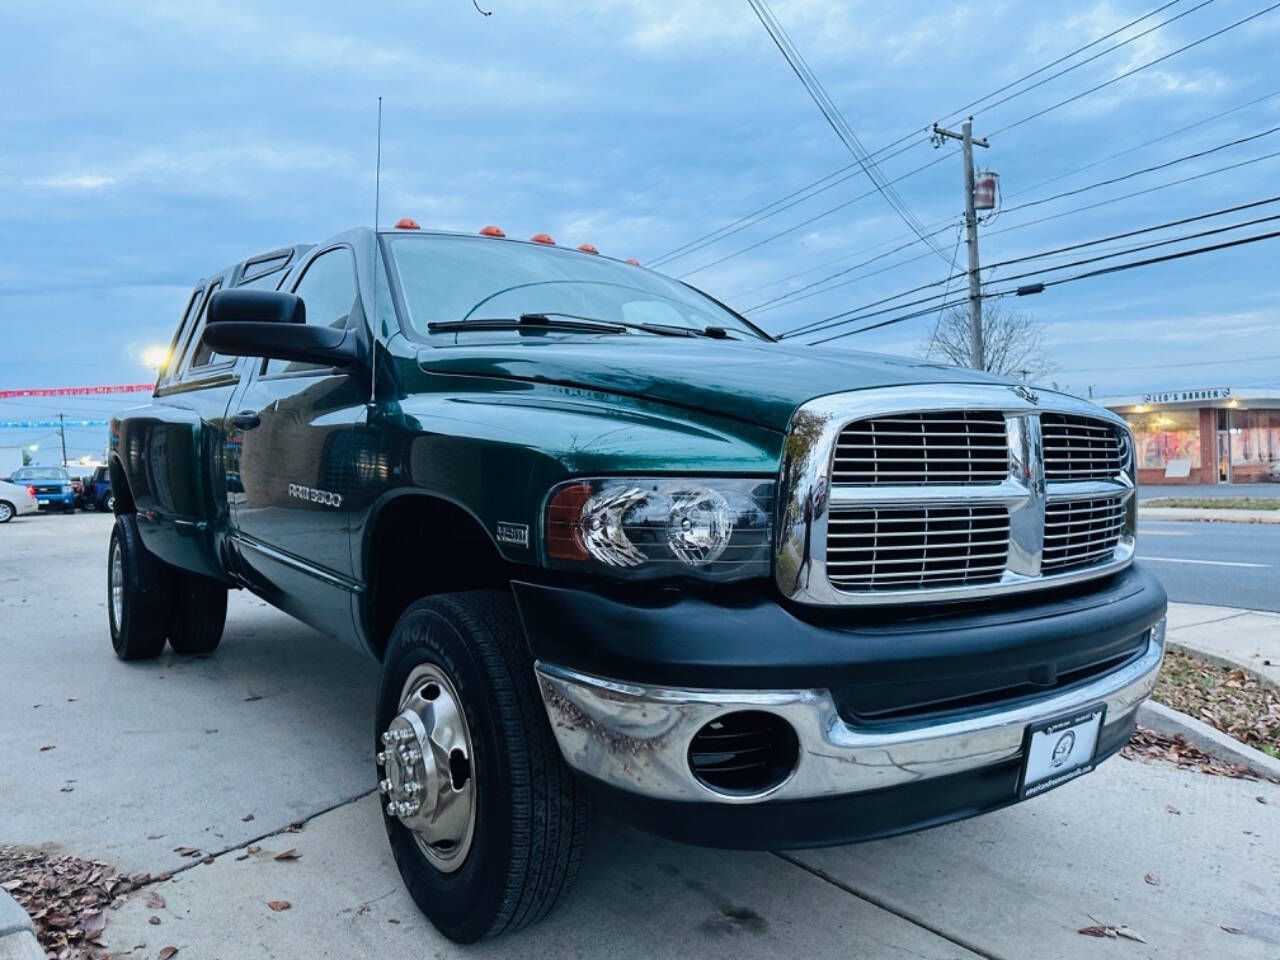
{"points": [[1014, 344]]}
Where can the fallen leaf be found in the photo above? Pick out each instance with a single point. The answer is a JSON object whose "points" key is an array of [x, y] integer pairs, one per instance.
{"points": [[252, 698], [246, 818], [66, 788], [167, 952], [47, 746], [1260, 799], [1235, 930], [278, 905], [94, 924], [155, 901], [1172, 809], [290, 854], [1095, 931], [252, 848], [1129, 934], [162, 877], [11, 886], [153, 920], [187, 851], [1152, 879], [243, 856], [208, 859]]}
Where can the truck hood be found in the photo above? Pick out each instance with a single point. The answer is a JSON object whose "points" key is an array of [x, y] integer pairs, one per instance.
{"points": [[753, 381]]}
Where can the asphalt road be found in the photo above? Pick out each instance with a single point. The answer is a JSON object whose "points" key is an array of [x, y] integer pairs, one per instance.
{"points": [[127, 762], [1217, 491], [1226, 564]]}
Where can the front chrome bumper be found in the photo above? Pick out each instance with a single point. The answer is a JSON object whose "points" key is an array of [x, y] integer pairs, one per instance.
{"points": [[637, 738]]}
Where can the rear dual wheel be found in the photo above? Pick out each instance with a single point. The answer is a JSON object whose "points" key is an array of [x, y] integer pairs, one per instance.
{"points": [[149, 602], [485, 820]]}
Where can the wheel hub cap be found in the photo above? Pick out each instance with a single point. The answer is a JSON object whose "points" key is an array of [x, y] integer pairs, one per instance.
{"points": [[117, 585], [426, 760]]}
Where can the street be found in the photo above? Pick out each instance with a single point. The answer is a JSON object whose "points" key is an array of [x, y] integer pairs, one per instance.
{"points": [[179, 752], [1227, 564]]}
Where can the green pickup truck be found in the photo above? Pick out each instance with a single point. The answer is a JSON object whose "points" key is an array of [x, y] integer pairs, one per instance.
{"points": [[614, 545]]}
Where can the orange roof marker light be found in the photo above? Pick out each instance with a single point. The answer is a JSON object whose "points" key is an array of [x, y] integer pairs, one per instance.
{"points": [[404, 223], [633, 261], [587, 248], [491, 231], [543, 238]]}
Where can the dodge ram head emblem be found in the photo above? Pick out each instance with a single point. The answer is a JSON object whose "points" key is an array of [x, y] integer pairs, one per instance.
{"points": [[1026, 393]]}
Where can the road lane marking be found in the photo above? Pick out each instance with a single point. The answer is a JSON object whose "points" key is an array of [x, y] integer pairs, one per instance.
{"points": [[1207, 563]]}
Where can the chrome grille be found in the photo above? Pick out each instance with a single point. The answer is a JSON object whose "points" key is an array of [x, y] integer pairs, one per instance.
{"points": [[900, 548], [1080, 448], [1078, 533], [933, 447]]}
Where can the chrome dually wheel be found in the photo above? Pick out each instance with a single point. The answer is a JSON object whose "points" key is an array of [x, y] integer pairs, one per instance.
{"points": [[428, 782]]}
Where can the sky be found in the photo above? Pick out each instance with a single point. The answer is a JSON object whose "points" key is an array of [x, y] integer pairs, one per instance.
{"points": [[149, 144]]}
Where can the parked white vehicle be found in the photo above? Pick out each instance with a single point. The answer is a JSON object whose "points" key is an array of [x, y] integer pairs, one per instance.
{"points": [[15, 500]]}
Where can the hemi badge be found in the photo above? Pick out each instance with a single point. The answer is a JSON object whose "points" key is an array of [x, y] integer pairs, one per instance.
{"points": [[513, 533]]}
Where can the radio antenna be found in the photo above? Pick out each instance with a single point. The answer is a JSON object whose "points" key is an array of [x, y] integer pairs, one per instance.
{"points": [[375, 319]]}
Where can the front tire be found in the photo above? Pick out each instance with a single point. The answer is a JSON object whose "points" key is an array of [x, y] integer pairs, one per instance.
{"points": [[514, 854], [139, 594]]}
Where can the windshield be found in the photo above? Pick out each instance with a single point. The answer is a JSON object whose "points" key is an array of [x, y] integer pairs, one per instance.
{"points": [[42, 473], [462, 278]]}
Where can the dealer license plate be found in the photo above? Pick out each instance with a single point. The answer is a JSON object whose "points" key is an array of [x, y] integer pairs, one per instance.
{"points": [[1060, 750]]}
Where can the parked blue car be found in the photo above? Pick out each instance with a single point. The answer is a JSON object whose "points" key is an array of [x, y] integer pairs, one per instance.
{"points": [[97, 491], [51, 487]]}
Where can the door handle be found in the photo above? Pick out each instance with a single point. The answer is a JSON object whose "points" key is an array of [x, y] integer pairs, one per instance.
{"points": [[246, 420]]}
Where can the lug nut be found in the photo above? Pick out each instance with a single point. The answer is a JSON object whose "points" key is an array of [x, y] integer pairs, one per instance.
{"points": [[381, 758], [388, 737], [412, 787], [411, 756], [384, 786]]}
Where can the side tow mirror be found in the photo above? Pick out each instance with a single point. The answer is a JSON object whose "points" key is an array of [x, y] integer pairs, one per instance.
{"points": [[267, 323]]}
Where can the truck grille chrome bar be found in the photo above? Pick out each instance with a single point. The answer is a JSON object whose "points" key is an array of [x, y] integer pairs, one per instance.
{"points": [[934, 493]]}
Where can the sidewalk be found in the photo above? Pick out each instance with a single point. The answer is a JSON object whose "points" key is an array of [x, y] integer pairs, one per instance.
{"points": [[1248, 637], [1197, 513]]}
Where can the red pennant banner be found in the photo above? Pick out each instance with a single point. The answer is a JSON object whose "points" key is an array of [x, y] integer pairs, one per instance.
{"points": [[77, 391]]}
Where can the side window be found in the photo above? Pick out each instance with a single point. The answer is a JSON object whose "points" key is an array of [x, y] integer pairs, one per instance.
{"points": [[188, 317], [328, 288], [202, 354]]}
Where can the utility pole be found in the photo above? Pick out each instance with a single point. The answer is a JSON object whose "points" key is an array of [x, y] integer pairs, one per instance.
{"points": [[977, 353], [63, 433]]}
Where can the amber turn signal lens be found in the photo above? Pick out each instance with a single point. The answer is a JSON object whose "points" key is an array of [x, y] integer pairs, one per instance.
{"points": [[543, 238], [564, 513]]}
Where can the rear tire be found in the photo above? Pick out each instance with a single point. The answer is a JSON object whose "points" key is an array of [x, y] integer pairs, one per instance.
{"points": [[530, 814], [139, 594], [199, 614], [7, 511]]}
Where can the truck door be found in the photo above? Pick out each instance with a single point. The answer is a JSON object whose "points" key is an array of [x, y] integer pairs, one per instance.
{"points": [[290, 426]]}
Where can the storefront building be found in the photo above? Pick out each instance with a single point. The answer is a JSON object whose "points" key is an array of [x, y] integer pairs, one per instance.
{"points": [[1204, 435]]}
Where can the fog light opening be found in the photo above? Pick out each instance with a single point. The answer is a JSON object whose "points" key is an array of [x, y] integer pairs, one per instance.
{"points": [[744, 753]]}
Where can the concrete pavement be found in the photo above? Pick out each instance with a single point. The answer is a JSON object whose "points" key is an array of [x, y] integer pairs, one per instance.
{"points": [[178, 753], [1247, 637]]}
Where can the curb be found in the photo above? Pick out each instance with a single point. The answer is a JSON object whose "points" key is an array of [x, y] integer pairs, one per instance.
{"points": [[1219, 515], [1169, 722], [17, 932]]}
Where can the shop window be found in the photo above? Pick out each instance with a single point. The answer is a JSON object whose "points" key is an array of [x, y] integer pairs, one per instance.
{"points": [[1255, 444], [1166, 435]]}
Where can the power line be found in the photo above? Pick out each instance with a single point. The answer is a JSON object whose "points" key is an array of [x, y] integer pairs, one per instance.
{"points": [[1043, 183], [836, 119], [1135, 70], [794, 296], [921, 133], [1145, 170], [1150, 261], [857, 313]]}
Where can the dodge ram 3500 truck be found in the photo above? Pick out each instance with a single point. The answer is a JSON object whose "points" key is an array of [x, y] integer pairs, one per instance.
{"points": [[614, 544]]}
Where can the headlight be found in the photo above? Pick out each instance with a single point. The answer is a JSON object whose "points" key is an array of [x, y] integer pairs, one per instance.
{"points": [[640, 528]]}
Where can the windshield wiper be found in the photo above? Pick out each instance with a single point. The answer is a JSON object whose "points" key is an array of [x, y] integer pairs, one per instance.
{"points": [[528, 321], [661, 329]]}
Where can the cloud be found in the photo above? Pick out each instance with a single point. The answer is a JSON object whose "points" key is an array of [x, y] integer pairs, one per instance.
{"points": [[70, 181]]}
